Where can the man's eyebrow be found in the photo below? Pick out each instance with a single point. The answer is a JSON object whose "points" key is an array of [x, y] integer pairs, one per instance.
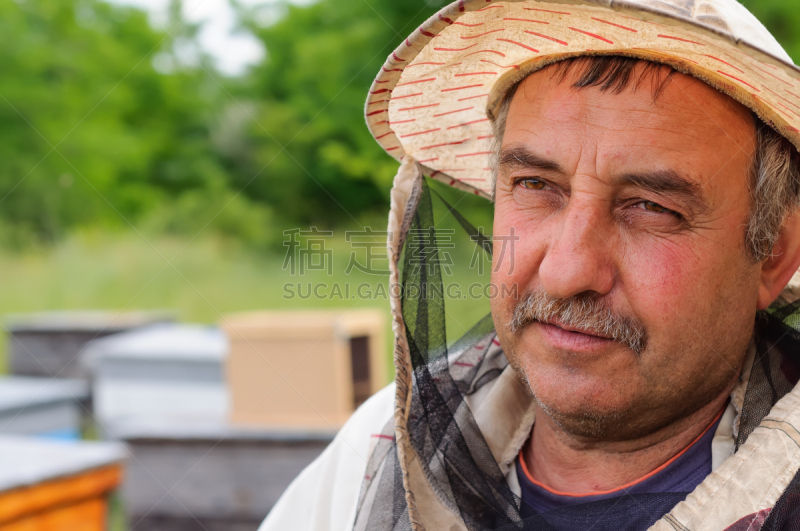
{"points": [[668, 182], [521, 157]]}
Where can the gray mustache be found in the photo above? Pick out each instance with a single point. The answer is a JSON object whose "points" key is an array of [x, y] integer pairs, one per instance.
{"points": [[582, 311]]}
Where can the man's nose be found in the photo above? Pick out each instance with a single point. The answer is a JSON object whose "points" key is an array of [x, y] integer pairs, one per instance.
{"points": [[578, 258]]}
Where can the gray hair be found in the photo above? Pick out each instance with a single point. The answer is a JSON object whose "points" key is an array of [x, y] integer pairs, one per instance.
{"points": [[775, 174]]}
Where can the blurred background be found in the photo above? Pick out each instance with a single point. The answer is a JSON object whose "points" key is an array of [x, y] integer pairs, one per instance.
{"points": [[164, 166]]}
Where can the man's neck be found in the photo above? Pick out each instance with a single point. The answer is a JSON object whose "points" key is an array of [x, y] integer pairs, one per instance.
{"points": [[565, 464]]}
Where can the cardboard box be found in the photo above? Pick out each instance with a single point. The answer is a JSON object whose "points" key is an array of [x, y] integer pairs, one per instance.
{"points": [[309, 369]]}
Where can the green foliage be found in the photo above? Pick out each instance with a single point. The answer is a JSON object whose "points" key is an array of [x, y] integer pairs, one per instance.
{"points": [[315, 159], [91, 133]]}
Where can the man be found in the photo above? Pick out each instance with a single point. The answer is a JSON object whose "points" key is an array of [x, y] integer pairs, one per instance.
{"points": [[645, 158]]}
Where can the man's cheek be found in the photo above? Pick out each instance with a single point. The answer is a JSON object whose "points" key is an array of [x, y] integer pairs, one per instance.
{"points": [[665, 286]]}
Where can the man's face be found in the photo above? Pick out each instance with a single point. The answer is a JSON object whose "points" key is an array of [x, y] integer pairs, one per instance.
{"points": [[639, 207]]}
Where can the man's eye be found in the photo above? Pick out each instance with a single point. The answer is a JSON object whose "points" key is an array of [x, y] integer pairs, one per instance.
{"points": [[654, 207], [532, 184]]}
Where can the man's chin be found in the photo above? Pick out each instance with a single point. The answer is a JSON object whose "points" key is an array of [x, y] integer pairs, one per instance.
{"points": [[590, 408], [588, 423]]}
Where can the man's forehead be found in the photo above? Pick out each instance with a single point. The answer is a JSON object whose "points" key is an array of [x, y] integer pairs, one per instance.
{"points": [[647, 93]]}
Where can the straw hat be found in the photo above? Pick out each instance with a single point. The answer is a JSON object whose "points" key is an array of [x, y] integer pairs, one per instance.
{"points": [[432, 99]]}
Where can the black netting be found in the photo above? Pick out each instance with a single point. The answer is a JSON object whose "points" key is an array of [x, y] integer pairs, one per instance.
{"points": [[776, 366], [785, 516], [450, 448]]}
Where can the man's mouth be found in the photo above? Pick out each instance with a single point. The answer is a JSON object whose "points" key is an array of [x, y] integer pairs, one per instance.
{"points": [[574, 329], [573, 338]]}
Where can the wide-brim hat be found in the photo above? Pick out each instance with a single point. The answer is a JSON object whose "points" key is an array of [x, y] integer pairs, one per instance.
{"points": [[433, 98]]}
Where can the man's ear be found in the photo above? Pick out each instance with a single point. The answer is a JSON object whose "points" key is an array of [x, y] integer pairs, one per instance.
{"points": [[778, 269]]}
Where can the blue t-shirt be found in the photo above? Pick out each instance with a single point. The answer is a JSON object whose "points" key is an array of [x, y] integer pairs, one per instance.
{"points": [[635, 506]]}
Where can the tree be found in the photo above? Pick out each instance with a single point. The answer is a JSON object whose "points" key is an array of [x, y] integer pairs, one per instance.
{"points": [[90, 132], [308, 152]]}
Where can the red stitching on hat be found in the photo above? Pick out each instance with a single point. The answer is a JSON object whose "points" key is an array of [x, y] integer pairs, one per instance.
{"points": [[723, 61], [402, 122], [534, 50], [383, 135], [394, 56], [469, 123], [495, 342], [773, 75], [680, 39], [792, 129], [546, 11], [489, 7], [613, 24], [489, 51], [392, 70], [472, 97], [426, 33], [444, 144], [415, 82], [406, 96], [392, 148], [426, 63], [527, 20], [374, 102], [455, 49], [445, 19], [380, 91], [592, 35], [462, 88], [381, 436], [739, 80], [418, 107], [793, 94], [475, 74], [468, 25], [474, 154], [429, 160], [382, 81], [484, 137], [452, 112], [421, 133], [501, 66], [461, 5], [546, 37], [788, 109], [373, 113], [781, 97], [452, 182], [482, 34]]}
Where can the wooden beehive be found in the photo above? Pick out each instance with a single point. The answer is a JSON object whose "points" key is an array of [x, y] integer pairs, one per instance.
{"points": [[56, 486], [310, 369]]}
